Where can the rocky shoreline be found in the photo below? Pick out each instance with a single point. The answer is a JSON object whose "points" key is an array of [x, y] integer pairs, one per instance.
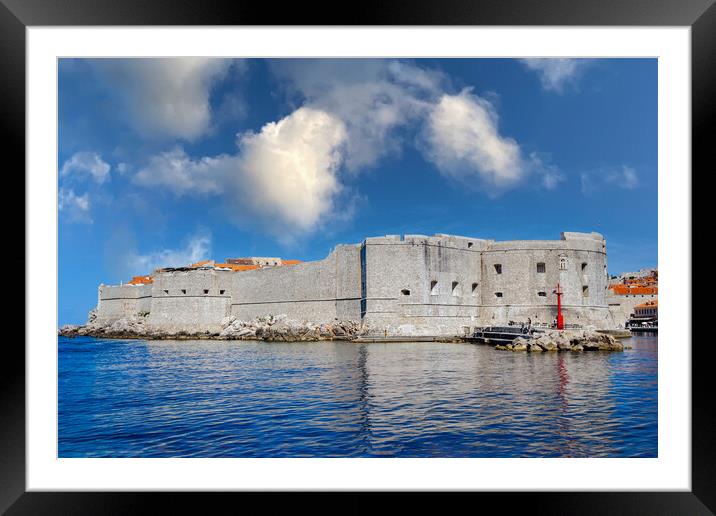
{"points": [[280, 328], [565, 340], [269, 328]]}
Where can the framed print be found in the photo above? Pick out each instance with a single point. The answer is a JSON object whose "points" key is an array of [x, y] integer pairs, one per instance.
{"points": [[418, 253]]}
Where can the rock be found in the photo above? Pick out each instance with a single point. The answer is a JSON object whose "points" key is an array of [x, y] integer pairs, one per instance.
{"points": [[616, 346], [519, 346], [578, 347], [563, 343]]}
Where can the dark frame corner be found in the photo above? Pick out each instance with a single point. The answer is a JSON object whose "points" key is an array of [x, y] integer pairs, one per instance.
{"points": [[700, 15]]}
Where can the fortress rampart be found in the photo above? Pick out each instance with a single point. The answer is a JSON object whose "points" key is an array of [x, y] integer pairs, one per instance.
{"points": [[409, 285]]}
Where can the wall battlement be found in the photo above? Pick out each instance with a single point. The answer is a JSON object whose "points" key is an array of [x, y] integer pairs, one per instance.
{"points": [[405, 285]]}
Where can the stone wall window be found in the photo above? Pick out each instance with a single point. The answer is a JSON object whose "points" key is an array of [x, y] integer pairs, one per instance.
{"points": [[469, 245], [498, 294], [474, 289], [455, 288], [222, 292], [433, 288], [206, 291], [584, 266], [405, 292], [541, 267], [166, 292], [563, 263], [542, 294], [585, 291], [498, 268], [183, 291]]}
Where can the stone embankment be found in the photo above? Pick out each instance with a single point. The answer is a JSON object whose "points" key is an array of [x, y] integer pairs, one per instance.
{"points": [[566, 340], [268, 328]]}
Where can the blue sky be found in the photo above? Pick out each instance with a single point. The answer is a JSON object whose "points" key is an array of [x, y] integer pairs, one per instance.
{"points": [[166, 161]]}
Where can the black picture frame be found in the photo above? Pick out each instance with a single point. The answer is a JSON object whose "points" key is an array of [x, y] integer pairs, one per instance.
{"points": [[17, 15]]}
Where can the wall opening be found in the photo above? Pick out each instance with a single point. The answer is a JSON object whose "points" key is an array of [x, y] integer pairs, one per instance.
{"points": [[405, 292], [541, 267], [585, 290], [455, 288], [166, 291], [183, 291], [469, 245], [563, 263], [206, 291], [542, 294], [584, 266], [433, 288], [498, 268], [474, 289], [498, 294], [222, 292]]}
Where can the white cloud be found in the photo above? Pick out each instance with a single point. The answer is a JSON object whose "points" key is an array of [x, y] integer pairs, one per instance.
{"points": [[621, 177], [288, 173], [550, 176], [284, 179], [373, 98], [463, 141], [87, 163], [76, 208], [556, 73], [165, 97], [197, 248], [175, 171], [625, 177], [381, 101]]}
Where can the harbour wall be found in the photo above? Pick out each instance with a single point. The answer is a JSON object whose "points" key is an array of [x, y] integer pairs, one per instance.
{"points": [[397, 285]]}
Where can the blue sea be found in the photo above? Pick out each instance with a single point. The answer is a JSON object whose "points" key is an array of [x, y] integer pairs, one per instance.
{"points": [[134, 398]]}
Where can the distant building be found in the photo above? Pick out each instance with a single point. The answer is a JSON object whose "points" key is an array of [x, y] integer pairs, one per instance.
{"points": [[645, 314], [256, 260], [630, 289], [648, 309]]}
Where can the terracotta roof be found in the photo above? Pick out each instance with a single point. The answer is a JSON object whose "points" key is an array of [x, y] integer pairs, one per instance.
{"points": [[200, 264], [292, 262], [649, 304], [237, 268], [623, 290], [141, 280]]}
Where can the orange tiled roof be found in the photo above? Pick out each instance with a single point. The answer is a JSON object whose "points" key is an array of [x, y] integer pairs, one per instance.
{"points": [[622, 290], [291, 262], [649, 304], [200, 264], [141, 280], [237, 268]]}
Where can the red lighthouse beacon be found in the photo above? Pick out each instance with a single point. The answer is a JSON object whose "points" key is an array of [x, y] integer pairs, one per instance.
{"points": [[560, 317]]}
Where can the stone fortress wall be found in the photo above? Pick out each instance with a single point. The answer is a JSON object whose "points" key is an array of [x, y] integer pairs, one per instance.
{"points": [[410, 285], [439, 285], [117, 301], [319, 291], [192, 300]]}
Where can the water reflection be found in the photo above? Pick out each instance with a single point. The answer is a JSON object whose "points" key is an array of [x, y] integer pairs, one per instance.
{"points": [[328, 399]]}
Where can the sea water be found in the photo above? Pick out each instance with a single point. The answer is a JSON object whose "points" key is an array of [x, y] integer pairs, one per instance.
{"points": [[135, 398]]}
